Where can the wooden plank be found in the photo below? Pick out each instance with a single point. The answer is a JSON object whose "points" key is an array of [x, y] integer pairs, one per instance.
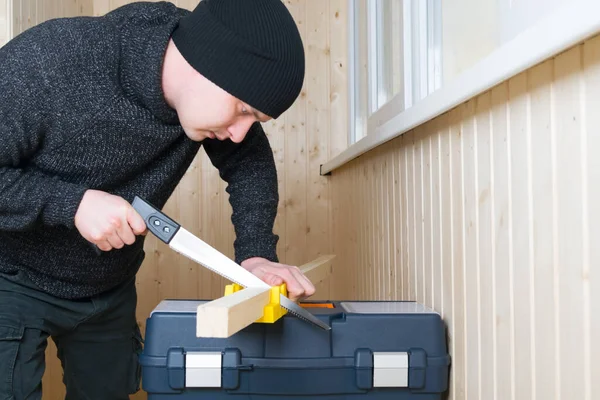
{"points": [[85, 7], [340, 237], [446, 224], [591, 60], [397, 190], [470, 247], [373, 287], [338, 76], [25, 15], [520, 170], [318, 270], [486, 279], [411, 238], [101, 7], [350, 185], [436, 220], [404, 218], [378, 262], [17, 25], [383, 217], [546, 379], [5, 15], [459, 290], [363, 210], [318, 239], [296, 188], [567, 165], [427, 215], [362, 231], [418, 217], [227, 315], [388, 216], [346, 282], [501, 249], [370, 231]]}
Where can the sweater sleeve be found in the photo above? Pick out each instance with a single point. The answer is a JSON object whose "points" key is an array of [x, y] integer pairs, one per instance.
{"points": [[249, 170], [29, 197]]}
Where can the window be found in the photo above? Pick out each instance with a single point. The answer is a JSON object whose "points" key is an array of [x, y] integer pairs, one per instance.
{"points": [[395, 48]]}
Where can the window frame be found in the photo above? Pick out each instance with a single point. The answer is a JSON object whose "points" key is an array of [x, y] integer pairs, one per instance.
{"points": [[420, 50]]}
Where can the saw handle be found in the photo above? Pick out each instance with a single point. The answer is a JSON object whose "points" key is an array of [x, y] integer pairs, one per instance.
{"points": [[157, 222]]}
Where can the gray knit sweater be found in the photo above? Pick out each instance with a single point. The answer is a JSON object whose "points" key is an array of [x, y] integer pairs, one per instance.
{"points": [[81, 107]]}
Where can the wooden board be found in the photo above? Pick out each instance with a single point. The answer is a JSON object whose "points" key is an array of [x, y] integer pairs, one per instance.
{"points": [[319, 270], [225, 316]]}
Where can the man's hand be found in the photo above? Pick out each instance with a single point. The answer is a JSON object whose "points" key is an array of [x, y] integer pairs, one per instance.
{"points": [[298, 285], [108, 221]]}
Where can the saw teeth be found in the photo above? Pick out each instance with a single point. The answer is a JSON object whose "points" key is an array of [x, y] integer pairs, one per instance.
{"points": [[298, 315]]}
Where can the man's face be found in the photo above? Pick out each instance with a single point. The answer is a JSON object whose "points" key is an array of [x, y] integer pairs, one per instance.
{"points": [[207, 111]]}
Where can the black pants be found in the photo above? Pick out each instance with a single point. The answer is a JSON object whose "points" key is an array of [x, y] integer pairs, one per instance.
{"points": [[98, 341]]}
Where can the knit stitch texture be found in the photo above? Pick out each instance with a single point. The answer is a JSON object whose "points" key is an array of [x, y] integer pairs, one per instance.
{"points": [[82, 107]]}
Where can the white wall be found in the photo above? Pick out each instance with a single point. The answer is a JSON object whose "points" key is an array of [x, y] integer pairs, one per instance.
{"points": [[515, 16], [469, 33], [472, 29]]}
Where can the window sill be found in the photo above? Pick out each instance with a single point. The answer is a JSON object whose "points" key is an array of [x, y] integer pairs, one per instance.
{"points": [[562, 29]]}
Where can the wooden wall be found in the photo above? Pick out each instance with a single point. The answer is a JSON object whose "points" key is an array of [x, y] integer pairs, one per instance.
{"points": [[18, 15], [5, 26], [491, 215], [311, 132]]}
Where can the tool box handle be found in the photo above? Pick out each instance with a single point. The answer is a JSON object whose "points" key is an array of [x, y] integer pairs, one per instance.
{"points": [[365, 371], [357, 374]]}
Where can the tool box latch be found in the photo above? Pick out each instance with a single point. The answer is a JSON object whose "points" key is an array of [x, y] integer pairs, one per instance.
{"points": [[203, 369], [390, 369]]}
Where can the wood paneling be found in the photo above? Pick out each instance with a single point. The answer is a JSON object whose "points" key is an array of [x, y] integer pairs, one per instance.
{"points": [[24, 14], [490, 214], [5, 18]]}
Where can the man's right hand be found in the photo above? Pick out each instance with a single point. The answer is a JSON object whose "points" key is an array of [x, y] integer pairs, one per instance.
{"points": [[108, 221]]}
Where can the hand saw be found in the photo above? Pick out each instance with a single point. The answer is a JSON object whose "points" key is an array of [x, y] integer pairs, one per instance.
{"points": [[185, 243]]}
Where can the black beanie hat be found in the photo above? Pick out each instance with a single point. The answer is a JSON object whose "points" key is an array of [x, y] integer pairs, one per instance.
{"points": [[250, 48]]}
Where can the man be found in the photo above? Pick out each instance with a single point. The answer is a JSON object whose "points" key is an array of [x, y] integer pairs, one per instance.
{"points": [[95, 111]]}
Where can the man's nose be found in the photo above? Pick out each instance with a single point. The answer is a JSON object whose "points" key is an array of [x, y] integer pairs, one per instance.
{"points": [[239, 130]]}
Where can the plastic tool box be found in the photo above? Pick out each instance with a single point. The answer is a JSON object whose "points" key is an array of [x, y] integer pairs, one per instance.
{"points": [[375, 350]]}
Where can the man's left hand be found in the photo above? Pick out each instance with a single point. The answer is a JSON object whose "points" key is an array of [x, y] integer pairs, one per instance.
{"points": [[297, 284]]}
